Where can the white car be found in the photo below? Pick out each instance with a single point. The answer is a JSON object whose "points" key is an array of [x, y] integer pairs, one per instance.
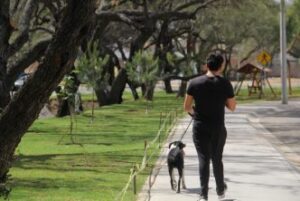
{"points": [[20, 81]]}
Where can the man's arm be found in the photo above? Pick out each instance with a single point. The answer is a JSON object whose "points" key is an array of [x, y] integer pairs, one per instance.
{"points": [[188, 104], [231, 104]]}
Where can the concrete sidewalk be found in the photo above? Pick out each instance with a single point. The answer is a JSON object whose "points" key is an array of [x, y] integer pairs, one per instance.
{"points": [[254, 169]]}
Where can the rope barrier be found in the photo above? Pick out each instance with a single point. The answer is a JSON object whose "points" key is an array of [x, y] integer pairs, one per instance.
{"points": [[139, 168], [186, 129]]}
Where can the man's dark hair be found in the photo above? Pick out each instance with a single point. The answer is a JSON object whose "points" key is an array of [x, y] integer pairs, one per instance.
{"points": [[214, 62]]}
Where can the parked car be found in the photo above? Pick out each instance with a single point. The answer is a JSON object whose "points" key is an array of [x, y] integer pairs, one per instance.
{"points": [[20, 81]]}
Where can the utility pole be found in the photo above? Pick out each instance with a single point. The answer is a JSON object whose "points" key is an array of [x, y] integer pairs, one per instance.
{"points": [[283, 62]]}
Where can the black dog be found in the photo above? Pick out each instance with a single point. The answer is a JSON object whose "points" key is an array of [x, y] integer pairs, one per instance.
{"points": [[176, 160]]}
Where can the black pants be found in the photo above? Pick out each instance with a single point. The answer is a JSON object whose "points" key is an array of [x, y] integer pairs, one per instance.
{"points": [[209, 141]]}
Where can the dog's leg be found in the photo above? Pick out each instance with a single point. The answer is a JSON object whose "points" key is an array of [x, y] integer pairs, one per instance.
{"points": [[171, 178], [183, 180], [174, 180], [179, 180]]}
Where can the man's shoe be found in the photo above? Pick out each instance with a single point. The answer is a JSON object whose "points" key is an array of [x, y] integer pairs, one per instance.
{"points": [[203, 198], [221, 195]]}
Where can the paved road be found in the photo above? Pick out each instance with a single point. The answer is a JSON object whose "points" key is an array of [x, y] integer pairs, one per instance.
{"points": [[283, 121], [255, 167]]}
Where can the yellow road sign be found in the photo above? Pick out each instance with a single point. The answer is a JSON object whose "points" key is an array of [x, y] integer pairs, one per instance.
{"points": [[264, 58]]}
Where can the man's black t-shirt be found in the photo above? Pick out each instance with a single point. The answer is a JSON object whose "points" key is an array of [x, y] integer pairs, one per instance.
{"points": [[210, 95]]}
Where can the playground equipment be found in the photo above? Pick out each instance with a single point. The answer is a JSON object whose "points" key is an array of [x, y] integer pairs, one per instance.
{"points": [[258, 77]]}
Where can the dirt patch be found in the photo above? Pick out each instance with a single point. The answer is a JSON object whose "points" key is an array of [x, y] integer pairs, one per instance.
{"points": [[132, 110]]}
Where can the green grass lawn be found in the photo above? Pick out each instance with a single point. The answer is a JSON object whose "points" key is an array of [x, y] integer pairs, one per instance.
{"points": [[268, 95], [97, 165]]}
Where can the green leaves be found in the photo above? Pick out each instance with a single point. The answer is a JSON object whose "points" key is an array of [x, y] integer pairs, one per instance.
{"points": [[240, 25], [293, 24], [90, 66], [143, 69]]}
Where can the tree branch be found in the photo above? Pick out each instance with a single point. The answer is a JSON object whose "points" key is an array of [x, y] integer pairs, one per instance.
{"points": [[15, 6], [176, 77], [118, 17], [145, 6], [171, 15], [194, 3], [5, 28], [42, 29], [4, 8], [204, 5], [250, 53], [110, 6], [23, 27], [132, 17], [120, 48], [55, 7], [28, 58]]}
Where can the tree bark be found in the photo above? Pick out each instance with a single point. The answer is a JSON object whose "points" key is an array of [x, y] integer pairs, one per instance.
{"points": [[102, 96], [25, 106], [149, 93], [182, 89], [168, 86], [63, 108], [118, 87], [143, 89], [227, 61], [5, 33], [29, 57]]}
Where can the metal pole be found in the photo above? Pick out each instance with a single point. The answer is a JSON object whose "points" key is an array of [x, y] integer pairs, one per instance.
{"points": [[134, 180], [284, 96]]}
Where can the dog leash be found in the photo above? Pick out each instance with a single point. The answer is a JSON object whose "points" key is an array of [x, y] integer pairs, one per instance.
{"points": [[184, 133]]}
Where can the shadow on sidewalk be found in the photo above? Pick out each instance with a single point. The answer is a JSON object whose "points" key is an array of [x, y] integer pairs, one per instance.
{"points": [[197, 190], [192, 190]]}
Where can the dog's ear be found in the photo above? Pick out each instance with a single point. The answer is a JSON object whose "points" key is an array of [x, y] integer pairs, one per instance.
{"points": [[181, 145]]}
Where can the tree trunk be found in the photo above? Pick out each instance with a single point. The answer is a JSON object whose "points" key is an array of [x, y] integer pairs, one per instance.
{"points": [[118, 87], [102, 96], [168, 86], [25, 106], [182, 89], [4, 95], [149, 93], [133, 90], [4, 89], [5, 33], [143, 88], [63, 108], [227, 62]]}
